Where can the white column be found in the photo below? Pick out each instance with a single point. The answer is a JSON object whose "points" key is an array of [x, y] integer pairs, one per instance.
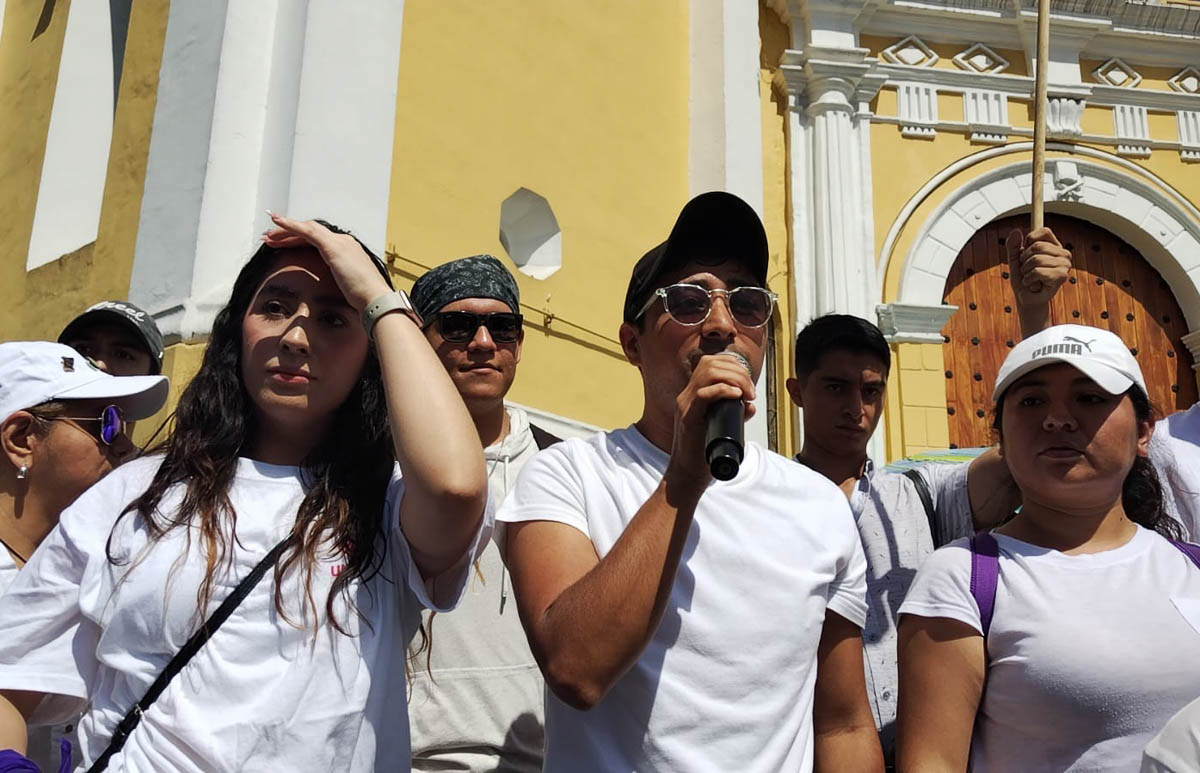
{"points": [[831, 179], [725, 149], [831, 189], [280, 104]]}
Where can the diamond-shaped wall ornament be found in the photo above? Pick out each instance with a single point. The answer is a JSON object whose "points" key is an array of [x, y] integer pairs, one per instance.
{"points": [[1186, 80], [980, 58], [910, 51], [1115, 72]]}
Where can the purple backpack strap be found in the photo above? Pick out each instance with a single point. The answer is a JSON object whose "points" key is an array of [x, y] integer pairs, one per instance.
{"points": [[1188, 549], [985, 573]]}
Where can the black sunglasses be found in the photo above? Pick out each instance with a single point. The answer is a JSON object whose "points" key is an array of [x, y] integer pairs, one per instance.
{"points": [[459, 327]]}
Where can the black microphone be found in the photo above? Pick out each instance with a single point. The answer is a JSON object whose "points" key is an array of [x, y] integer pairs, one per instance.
{"points": [[725, 440]]}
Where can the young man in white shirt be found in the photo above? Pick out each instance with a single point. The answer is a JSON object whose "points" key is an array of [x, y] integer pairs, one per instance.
{"points": [[476, 701], [842, 366], [684, 623]]}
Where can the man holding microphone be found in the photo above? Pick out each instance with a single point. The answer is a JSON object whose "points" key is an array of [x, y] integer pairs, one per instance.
{"points": [[681, 622]]}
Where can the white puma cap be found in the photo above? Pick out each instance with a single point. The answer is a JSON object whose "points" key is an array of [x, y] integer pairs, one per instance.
{"points": [[1098, 354]]}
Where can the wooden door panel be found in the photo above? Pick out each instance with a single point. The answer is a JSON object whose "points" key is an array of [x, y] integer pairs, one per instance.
{"points": [[1111, 286]]}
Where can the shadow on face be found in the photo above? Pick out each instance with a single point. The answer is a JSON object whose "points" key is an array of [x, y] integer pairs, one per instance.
{"points": [[303, 346]]}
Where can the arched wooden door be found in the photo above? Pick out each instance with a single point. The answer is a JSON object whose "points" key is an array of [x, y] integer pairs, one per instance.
{"points": [[1111, 285]]}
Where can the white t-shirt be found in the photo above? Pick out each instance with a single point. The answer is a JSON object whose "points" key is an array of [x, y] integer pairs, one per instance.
{"points": [[1088, 655], [726, 682], [1175, 453], [8, 569], [262, 694], [1177, 748], [44, 742]]}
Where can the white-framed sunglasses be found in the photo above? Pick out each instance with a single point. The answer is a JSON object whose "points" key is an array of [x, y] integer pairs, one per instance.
{"points": [[690, 304]]}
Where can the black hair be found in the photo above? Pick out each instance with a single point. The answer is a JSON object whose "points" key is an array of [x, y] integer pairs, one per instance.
{"points": [[1141, 493], [839, 332]]}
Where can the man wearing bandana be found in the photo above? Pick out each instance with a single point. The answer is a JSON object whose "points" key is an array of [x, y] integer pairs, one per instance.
{"points": [[476, 694]]}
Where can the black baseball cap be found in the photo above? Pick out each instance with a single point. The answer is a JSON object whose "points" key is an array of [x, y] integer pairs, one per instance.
{"points": [[122, 313], [714, 226]]}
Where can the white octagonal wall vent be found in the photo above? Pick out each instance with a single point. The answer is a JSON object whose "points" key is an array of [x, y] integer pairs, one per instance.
{"points": [[530, 233]]}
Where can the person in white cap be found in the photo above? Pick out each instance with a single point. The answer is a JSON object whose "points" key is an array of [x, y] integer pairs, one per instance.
{"points": [[1079, 610], [62, 427]]}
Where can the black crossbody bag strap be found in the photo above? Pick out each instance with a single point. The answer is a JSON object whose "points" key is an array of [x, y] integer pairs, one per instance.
{"points": [[926, 498], [186, 653]]}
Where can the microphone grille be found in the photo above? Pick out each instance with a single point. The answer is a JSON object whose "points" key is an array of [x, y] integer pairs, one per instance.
{"points": [[737, 356]]}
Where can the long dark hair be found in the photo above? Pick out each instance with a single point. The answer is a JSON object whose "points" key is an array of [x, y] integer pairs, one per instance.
{"points": [[1141, 492], [346, 474]]}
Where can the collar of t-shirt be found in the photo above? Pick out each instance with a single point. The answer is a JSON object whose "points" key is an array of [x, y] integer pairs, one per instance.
{"points": [[862, 486], [658, 458]]}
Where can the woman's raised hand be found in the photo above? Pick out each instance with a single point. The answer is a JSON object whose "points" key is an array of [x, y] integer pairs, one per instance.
{"points": [[355, 272]]}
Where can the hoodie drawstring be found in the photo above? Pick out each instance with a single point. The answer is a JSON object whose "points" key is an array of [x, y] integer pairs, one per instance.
{"points": [[503, 566]]}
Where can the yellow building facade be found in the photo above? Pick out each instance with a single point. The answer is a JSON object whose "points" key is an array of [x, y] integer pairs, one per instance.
{"points": [[142, 142]]}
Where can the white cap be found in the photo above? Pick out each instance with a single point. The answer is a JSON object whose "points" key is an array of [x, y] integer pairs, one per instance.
{"points": [[34, 372], [1098, 354]]}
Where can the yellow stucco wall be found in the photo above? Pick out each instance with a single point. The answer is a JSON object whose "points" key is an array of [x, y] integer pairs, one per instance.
{"points": [[38, 303], [587, 105]]}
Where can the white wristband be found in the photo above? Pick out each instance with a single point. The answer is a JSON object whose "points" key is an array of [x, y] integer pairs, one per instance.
{"points": [[396, 300]]}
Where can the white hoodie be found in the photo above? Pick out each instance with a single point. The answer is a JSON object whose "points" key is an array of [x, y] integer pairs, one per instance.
{"points": [[484, 703]]}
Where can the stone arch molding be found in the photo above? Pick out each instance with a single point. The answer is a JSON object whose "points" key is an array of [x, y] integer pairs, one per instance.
{"points": [[1128, 202]]}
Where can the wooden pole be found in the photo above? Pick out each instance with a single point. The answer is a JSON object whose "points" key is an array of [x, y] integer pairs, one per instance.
{"points": [[1039, 115]]}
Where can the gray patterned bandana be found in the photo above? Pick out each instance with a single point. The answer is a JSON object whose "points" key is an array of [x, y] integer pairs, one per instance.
{"points": [[479, 276]]}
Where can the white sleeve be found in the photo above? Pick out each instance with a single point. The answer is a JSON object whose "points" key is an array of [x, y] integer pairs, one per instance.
{"points": [[443, 592], [847, 594], [48, 645], [951, 498], [942, 587], [1176, 749], [548, 488]]}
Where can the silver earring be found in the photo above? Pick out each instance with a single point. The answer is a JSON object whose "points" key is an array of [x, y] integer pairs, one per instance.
{"points": [[22, 472]]}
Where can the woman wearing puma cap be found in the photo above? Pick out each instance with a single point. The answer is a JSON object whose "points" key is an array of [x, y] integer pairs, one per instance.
{"points": [[1070, 610], [62, 428]]}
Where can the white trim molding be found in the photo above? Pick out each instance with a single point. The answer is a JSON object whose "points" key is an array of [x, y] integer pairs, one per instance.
{"points": [[911, 323], [1192, 342], [1127, 201]]}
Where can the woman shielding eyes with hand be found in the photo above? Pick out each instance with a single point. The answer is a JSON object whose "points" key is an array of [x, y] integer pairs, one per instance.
{"points": [[342, 465]]}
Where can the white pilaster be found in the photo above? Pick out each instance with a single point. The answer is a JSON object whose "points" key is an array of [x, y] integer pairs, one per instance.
{"points": [[832, 203], [1132, 130], [918, 110], [286, 105], [986, 113], [831, 87], [725, 150], [1189, 134]]}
